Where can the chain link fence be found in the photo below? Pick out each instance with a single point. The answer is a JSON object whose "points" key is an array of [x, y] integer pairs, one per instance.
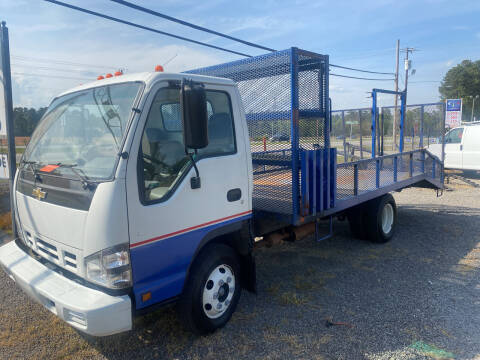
{"points": [[352, 130]]}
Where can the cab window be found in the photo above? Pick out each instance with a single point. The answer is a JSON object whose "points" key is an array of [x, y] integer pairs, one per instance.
{"points": [[454, 136], [163, 162]]}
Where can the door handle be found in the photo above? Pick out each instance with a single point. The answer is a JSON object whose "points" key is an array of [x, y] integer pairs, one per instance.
{"points": [[234, 194]]}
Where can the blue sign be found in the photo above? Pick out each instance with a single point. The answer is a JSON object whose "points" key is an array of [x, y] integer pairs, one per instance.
{"points": [[454, 105]]}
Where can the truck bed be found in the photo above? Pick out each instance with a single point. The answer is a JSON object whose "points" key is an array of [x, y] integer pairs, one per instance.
{"points": [[353, 182]]}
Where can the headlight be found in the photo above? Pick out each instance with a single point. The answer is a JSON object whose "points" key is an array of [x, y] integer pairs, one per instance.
{"points": [[110, 267]]}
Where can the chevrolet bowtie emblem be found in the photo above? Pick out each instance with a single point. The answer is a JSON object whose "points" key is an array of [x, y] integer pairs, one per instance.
{"points": [[38, 193]]}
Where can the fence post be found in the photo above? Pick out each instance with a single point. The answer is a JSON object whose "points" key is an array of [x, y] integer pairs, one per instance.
{"points": [[361, 143], [355, 179], [410, 165], [374, 121], [420, 141], [395, 168], [377, 173], [382, 134], [345, 154], [403, 114]]}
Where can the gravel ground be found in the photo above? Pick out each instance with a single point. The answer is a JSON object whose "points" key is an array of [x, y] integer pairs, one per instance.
{"points": [[413, 298]]}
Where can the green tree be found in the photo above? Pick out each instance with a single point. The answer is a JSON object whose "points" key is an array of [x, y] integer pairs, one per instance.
{"points": [[463, 81], [25, 120]]}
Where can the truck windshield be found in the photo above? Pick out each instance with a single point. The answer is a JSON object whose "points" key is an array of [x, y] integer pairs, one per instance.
{"points": [[84, 129]]}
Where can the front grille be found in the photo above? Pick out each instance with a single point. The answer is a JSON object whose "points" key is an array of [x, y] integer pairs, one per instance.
{"points": [[47, 248], [70, 259], [51, 252]]}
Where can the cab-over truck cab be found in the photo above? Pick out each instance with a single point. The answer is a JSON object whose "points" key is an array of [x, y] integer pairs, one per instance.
{"points": [[135, 191]]}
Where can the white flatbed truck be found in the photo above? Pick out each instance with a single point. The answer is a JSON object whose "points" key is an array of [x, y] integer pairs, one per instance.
{"points": [[139, 190]]}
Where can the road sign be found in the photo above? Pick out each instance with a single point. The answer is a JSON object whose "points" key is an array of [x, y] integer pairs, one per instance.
{"points": [[4, 171], [453, 116]]}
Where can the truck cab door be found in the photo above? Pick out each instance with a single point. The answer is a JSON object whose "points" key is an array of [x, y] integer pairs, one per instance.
{"points": [[168, 219], [454, 148]]}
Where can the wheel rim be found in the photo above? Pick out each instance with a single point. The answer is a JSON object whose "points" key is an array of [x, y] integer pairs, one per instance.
{"points": [[387, 218], [218, 291]]}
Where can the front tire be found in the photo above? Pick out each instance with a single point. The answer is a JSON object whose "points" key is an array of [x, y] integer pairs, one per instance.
{"points": [[212, 291]]}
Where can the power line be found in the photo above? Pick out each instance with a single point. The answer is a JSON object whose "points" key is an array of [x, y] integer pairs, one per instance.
{"points": [[359, 78], [60, 62], [52, 68], [51, 76], [143, 27], [197, 27], [366, 71], [191, 25]]}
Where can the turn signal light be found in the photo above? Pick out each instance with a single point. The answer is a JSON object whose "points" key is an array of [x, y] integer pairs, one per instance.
{"points": [[147, 296]]}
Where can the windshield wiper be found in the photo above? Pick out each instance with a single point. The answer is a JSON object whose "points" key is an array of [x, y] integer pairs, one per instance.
{"points": [[86, 181], [31, 164]]}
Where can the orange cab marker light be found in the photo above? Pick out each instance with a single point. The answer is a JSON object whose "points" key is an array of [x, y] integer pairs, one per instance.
{"points": [[118, 73], [49, 168], [100, 77], [159, 68], [108, 75], [147, 296]]}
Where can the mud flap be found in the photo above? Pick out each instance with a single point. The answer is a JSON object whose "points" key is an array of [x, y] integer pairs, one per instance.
{"points": [[249, 278]]}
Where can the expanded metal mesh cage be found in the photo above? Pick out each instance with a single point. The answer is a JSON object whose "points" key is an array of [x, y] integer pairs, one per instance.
{"points": [[285, 97]]}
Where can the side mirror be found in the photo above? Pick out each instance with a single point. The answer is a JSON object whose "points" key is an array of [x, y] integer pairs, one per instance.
{"points": [[194, 115]]}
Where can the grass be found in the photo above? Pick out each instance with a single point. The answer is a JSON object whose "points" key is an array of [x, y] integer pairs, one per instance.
{"points": [[292, 298], [18, 150], [6, 222]]}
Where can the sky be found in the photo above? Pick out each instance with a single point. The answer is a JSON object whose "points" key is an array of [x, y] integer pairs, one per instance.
{"points": [[54, 48]]}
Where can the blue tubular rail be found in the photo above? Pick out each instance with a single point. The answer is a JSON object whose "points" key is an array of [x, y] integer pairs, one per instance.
{"points": [[390, 173]]}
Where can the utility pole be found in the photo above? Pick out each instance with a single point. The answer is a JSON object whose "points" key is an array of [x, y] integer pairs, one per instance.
{"points": [[407, 50], [394, 145]]}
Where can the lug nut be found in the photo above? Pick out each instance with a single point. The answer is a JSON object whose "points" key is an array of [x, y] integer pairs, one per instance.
{"points": [[215, 296], [220, 283], [219, 306], [229, 279]]}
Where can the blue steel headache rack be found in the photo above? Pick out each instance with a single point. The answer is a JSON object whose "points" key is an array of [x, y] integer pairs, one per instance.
{"points": [[298, 173], [285, 95]]}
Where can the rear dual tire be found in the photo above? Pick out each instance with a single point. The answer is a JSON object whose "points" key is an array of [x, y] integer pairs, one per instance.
{"points": [[374, 220]]}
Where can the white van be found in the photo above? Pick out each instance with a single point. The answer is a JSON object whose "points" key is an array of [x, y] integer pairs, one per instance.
{"points": [[462, 148]]}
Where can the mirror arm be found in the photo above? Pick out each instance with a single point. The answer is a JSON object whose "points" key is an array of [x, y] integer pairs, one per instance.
{"points": [[194, 181]]}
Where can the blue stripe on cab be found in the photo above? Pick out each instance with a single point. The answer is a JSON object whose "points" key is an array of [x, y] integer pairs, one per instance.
{"points": [[161, 266]]}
